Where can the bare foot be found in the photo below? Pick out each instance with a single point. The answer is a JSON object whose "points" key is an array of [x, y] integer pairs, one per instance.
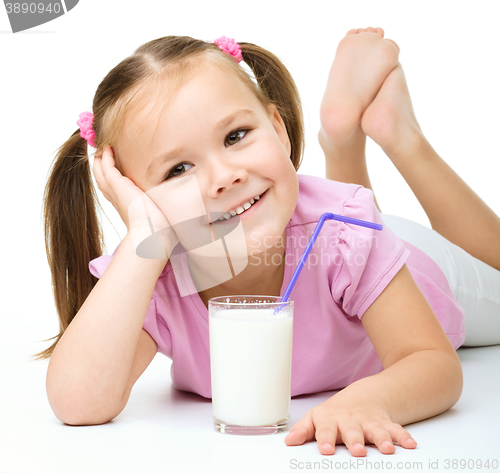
{"points": [[390, 120], [362, 62]]}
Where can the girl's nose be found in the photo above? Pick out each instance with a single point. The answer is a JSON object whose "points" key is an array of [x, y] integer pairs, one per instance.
{"points": [[224, 177]]}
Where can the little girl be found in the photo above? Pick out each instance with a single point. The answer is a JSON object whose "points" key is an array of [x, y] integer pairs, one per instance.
{"points": [[181, 127]]}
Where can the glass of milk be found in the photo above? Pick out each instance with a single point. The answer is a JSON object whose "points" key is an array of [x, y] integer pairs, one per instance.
{"points": [[250, 359]]}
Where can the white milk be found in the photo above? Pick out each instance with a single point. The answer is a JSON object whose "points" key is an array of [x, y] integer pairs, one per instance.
{"points": [[251, 365]]}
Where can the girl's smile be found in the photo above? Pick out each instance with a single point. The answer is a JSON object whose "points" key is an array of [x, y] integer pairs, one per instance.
{"points": [[245, 209]]}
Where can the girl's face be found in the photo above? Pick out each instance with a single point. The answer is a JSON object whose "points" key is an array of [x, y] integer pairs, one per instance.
{"points": [[214, 128]]}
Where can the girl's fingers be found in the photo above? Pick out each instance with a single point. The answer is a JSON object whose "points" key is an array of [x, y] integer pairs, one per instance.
{"points": [[326, 436], [108, 165], [99, 178], [381, 438], [354, 439], [301, 431], [114, 178], [328, 432], [117, 183], [401, 436]]}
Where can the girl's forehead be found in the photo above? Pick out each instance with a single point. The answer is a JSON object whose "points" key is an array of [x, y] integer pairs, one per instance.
{"points": [[212, 86], [205, 94]]}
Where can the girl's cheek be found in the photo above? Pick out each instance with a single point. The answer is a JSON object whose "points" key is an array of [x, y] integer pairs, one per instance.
{"points": [[272, 154]]}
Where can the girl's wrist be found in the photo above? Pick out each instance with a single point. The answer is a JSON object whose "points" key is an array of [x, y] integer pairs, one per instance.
{"points": [[129, 248]]}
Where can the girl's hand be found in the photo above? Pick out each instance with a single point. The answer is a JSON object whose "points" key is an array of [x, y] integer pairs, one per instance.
{"points": [[343, 419], [139, 213], [118, 189]]}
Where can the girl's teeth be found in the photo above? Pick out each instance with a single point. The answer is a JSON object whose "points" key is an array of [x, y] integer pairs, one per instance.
{"points": [[240, 209]]}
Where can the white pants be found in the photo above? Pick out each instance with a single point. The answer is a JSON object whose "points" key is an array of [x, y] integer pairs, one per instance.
{"points": [[475, 285]]}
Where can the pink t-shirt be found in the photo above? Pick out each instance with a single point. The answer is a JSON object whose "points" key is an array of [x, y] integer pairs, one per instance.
{"points": [[348, 268]]}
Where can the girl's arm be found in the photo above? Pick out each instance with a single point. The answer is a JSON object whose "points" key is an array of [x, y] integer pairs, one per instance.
{"points": [[422, 378], [104, 350]]}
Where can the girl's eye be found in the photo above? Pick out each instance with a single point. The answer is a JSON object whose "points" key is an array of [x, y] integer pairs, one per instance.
{"points": [[235, 136], [178, 170]]}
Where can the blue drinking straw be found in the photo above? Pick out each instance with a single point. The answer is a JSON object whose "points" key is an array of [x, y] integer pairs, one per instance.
{"points": [[323, 218]]}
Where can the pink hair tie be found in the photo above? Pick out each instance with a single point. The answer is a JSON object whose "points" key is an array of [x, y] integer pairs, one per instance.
{"points": [[229, 46], [85, 124]]}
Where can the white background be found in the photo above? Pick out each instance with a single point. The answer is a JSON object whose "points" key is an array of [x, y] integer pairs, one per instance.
{"points": [[48, 75]]}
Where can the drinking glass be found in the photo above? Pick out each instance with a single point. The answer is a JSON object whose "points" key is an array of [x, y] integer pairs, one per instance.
{"points": [[250, 358]]}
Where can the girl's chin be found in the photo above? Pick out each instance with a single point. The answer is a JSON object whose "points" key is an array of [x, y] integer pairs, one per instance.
{"points": [[259, 244]]}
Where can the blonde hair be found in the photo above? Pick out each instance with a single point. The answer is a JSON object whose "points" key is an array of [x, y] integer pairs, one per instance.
{"points": [[73, 236]]}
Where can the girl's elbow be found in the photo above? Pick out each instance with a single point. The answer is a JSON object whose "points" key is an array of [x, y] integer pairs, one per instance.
{"points": [[82, 421], [460, 381], [456, 379], [71, 410], [80, 417]]}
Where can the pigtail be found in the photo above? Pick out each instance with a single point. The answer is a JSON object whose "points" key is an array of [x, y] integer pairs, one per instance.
{"points": [[278, 86], [73, 234]]}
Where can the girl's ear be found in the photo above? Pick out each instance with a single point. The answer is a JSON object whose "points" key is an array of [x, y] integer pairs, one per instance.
{"points": [[279, 127]]}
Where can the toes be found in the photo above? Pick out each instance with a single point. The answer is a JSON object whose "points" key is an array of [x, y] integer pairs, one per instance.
{"points": [[395, 44], [370, 29], [379, 31]]}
